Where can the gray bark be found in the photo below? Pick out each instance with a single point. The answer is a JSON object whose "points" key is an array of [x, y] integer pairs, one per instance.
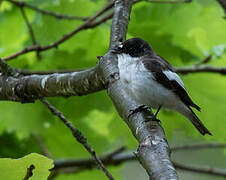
{"points": [[25, 88], [153, 151]]}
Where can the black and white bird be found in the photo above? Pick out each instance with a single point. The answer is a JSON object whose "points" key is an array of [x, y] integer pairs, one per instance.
{"points": [[151, 81]]}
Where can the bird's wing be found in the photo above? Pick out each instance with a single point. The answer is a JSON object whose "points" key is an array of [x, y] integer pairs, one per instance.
{"points": [[164, 74]]}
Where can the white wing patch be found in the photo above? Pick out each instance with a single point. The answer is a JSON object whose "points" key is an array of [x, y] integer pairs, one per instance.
{"points": [[173, 76]]}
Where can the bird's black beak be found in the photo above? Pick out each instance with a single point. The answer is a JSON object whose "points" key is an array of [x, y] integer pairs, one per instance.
{"points": [[117, 49]]}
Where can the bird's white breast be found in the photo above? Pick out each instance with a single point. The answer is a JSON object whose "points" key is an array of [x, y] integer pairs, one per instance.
{"points": [[142, 86]]}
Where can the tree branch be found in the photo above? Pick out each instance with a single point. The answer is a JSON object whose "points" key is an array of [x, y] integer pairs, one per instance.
{"points": [[120, 156], [197, 68], [201, 68], [115, 160], [203, 170], [43, 147], [169, 2], [198, 146], [45, 12], [31, 32], [75, 132], [90, 23], [78, 136], [26, 72], [120, 22], [204, 61], [7, 70], [153, 151], [78, 165], [28, 26], [67, 84], [28, 88]]}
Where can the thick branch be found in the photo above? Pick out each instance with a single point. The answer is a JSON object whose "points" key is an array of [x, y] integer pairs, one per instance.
{"points": [[26, 72], [153, 151], [90, 23], [8, 71], [120, 22], [45, 12], [201, 68], [38, 86]]}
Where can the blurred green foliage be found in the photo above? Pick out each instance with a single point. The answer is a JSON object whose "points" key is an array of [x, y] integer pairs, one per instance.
{"points": [[184, 34]]}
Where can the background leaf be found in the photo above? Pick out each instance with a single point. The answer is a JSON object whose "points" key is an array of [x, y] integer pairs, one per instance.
{"points": [[13, 169]]}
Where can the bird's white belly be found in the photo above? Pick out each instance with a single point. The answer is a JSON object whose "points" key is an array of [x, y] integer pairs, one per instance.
{"points": [[149, 92], [142, 87]]}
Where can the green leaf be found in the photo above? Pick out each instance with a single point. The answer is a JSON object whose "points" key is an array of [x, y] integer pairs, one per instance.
{"points": [[12, 169]]}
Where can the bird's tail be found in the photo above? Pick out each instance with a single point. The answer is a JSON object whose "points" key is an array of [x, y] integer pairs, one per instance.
{"points": [[196, 122]]}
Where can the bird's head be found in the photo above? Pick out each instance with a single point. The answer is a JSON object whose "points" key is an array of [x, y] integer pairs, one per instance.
{"points": [[134, 47]]}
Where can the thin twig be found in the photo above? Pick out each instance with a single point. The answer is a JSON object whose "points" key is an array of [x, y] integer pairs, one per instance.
{"points": [[204, 61], [45, 150], [115, 160], [28, 26], [6, 69], [202, 170], [90, 23], [198, 146], [31, 32], [203, 68], [115, 152], [78, 136], [45, 12], [100, 21], [169, 2]]}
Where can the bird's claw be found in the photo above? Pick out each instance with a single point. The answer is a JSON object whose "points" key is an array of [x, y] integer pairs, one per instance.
{"points": [[139, 109], [153, 118]]}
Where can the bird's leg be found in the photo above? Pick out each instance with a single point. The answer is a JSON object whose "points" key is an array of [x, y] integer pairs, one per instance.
{"points": [[157, 111], [154, 118], [139, 109]]}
